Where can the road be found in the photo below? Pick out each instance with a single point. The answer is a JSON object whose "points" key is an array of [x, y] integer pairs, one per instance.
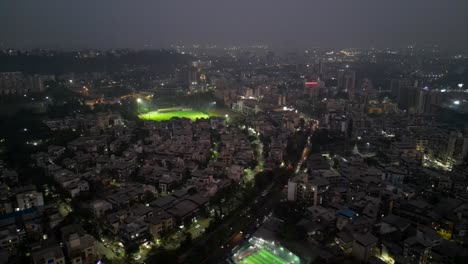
{"points": [[305, 154], [308, 147]]}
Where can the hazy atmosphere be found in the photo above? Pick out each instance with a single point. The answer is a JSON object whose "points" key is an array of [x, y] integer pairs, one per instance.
{"points": [[288, 24]]}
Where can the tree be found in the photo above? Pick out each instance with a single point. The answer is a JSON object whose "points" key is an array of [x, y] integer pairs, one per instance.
{"points": [[293, 232], [253, 164], [262, 179], [62, 137], [187, 242], [192, 191], [187, 175], [296, 144], [161, 256], [302, 123], [148, 197]]}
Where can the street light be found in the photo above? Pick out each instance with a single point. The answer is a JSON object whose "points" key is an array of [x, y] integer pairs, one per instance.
{"points": [[139, 101]]}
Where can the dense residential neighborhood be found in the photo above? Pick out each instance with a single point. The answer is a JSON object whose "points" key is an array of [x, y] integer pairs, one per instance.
{"points": [[244, 157]]}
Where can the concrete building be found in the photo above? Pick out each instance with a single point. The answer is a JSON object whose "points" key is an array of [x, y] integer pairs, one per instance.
{"points": [[27, 197], [364, 247], [307, 189], [79, 246], [48, 255], [417, 250]]}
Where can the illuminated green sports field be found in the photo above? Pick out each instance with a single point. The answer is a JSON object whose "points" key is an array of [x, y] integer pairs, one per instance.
{"points": [[167, 115], [263, 257], [260, 251]]}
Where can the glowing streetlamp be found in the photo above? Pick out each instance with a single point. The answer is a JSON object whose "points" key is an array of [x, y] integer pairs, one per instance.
{"points": [[139, 101]]}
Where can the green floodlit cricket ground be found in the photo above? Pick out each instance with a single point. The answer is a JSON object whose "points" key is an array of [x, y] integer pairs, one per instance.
{"points": [[167, 115], [259, 251], [262, 257]]}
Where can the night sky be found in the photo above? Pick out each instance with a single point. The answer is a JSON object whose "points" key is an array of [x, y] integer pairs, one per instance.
{"points": [[72, 24]]}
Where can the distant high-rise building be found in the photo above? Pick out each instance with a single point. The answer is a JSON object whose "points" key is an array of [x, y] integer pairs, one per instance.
{"points": [[428, 102], [281, 100], [404, 92], [36, 82], [367, 88], [423, 105], [457, 148], [187, 76], [347, 81], [408, 97], [17, 83], [193, 75], [340, 78]]}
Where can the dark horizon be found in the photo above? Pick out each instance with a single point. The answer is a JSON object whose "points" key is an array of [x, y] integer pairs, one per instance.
{"points": [[279, 24]]}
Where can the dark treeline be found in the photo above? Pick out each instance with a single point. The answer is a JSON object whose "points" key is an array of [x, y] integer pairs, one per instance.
{"points": [[158, 60]]}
